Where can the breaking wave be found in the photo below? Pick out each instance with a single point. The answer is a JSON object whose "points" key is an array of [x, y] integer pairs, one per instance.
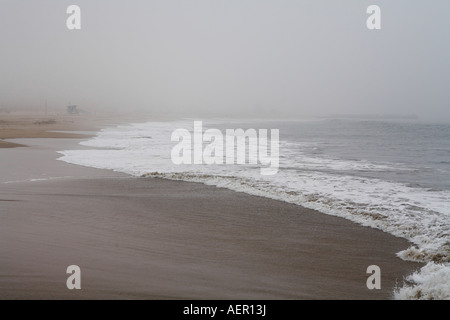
{"points": [[329, 185]]}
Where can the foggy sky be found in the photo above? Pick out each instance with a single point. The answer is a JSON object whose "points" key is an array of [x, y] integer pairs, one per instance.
{"points": [[228, 57]]}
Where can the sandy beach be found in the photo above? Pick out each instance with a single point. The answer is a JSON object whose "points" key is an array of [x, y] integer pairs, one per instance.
{"points": [[28, 124], [225, 150], [147, 238]]}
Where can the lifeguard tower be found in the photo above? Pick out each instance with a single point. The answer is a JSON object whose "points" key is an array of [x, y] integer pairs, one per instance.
{"points": [[72, 109]]}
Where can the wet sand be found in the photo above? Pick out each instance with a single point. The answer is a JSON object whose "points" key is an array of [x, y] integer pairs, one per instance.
{"points": [[145, 238]]}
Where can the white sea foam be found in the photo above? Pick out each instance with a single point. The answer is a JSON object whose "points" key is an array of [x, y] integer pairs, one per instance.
{"points": [[331, 186], [430, 283]]}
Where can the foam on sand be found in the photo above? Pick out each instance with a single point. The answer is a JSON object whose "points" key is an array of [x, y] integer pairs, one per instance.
{"points": [[331, 186]]}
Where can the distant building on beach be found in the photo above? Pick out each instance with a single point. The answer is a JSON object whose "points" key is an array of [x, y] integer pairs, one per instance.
{"points": [[72, 109]]}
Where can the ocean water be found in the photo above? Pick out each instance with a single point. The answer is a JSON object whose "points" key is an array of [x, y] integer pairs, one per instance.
{"points": [[390, 175]]}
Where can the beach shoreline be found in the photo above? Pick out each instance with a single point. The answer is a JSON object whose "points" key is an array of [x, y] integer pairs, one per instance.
{"points": [[148, 238], [33, 125]]}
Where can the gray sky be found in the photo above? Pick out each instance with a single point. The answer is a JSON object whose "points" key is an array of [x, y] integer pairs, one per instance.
{"points": [[236, 57]]}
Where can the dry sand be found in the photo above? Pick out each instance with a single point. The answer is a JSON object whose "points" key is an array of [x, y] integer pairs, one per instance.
{"points": [[143, 238], [21, 125]]}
